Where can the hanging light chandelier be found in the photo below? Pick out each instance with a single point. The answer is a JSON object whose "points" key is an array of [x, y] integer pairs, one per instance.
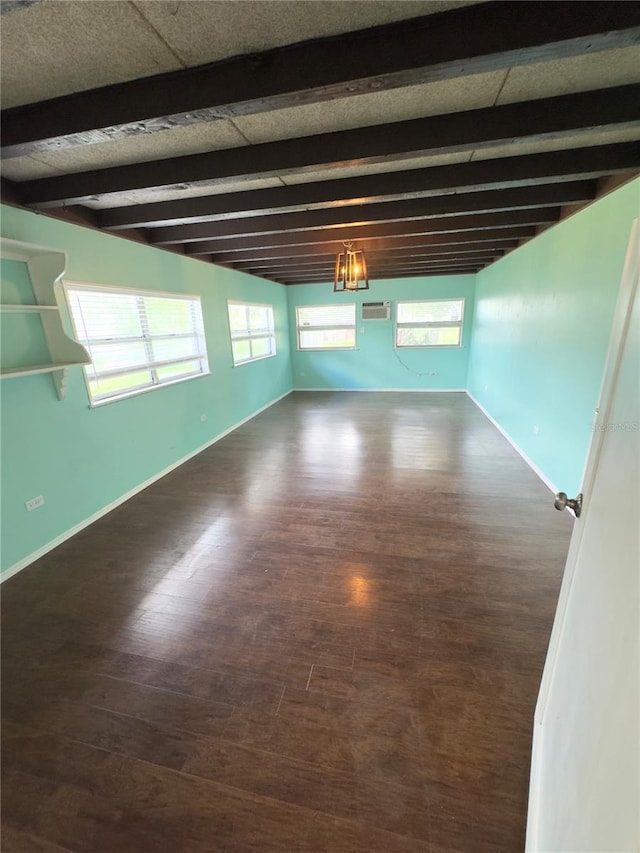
{"points": [[351, 270]]}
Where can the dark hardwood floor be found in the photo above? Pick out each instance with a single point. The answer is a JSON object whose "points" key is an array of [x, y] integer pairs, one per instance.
{"points": [[324, 633]]}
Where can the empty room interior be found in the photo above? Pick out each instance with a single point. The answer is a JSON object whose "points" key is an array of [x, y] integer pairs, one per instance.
{"points": [[313, 314]]}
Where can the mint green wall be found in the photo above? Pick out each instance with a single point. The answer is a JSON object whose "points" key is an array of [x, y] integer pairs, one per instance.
{"points": [[375, 364], [82, 459], [541, 330]]}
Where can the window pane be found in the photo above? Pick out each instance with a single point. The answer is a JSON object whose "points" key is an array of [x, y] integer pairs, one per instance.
{"points": [[429, 336], [241, 350], [430, 311], [119, 384], [168, 316], [260, 347], [173, 371], [326, 315], [238, 318], [102, 315], [258, 317], [327, 338], [171, 348], [115, 356]]}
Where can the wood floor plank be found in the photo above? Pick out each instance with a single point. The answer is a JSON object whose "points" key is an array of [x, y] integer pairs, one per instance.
{"points": [[324, 633]]}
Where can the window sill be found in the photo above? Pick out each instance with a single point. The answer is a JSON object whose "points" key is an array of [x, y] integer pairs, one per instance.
{"points": [[137, 392], [251, 360]]}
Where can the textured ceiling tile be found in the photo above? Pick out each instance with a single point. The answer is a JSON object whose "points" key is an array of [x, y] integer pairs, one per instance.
{"points": [[576, 74], [54, 48], [192, 139], [202, 32], [426, 99], [378, 168], [27, 169], [578, 140]]}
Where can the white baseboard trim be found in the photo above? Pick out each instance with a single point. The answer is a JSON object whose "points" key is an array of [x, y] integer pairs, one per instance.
{"points": [[388, 390], [518, 450], [40, 552]]}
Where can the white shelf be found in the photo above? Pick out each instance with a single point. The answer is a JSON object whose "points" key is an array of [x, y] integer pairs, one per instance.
{"points": [[26, 309], [32, 369], [46, 267]]}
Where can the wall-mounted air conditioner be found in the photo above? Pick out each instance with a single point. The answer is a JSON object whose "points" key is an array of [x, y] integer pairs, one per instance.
{"points": [[376, 310]]}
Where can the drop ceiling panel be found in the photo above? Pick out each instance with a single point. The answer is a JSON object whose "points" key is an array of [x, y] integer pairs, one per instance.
{"points": [[427, 99], [576, 74], [201, 32], [27, 169], [54, 48]]}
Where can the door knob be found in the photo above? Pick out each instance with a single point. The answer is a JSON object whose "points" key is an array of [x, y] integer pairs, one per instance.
{"points": [[562, 502]]}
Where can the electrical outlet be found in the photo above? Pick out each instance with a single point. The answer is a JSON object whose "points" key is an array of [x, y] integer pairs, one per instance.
{"points": [[34, 503], [536, 430], [203, 418]]}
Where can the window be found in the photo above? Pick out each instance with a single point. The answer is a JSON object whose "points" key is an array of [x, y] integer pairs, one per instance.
{"points": [[326, 326], [252, 331], [429, 323], [137, 339]]}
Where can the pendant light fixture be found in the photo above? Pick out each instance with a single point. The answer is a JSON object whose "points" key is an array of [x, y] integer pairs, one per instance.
{"points": [[351, 270]]}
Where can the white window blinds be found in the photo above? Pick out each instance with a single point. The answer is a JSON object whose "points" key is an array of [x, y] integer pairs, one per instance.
{"points": [[326, 326], [136, 339]]}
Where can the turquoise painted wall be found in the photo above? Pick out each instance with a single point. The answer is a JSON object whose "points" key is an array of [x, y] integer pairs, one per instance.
{"points": [[541, 331], [375, 364], [82, 459]]}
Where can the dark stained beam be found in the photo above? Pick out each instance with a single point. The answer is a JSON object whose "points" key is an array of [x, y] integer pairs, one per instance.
{"points": [[388, 274], [548, 118], [500, 237], [533, 216], [455, 43], [503, 173], [8, 6], [411, 252], [379, 263], [455, 204], [328, 269], [372, 260]]}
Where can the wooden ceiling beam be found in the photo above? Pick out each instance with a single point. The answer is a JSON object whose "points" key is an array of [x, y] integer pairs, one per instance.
{"points": [[372, 261], [438, 227], [381, 263], [421, 208], [386, 274], [471, 129], [499, 237], [455, 43], [503, 173]]}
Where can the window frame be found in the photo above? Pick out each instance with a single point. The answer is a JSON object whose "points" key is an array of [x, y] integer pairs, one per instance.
{"points": [[151, 366], [324, 327], [251, 336], [440, 324]]}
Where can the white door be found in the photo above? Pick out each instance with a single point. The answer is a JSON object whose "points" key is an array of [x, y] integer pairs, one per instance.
{"points": [[584, 792]]}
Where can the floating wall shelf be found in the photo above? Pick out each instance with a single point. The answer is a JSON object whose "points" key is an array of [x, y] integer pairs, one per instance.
{"points": [[46, 267]]}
